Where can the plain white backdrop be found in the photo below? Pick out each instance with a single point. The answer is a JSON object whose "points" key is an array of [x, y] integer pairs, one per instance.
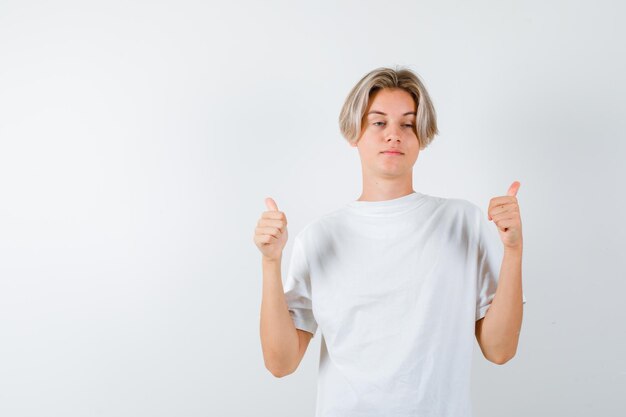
{"points": [[139, 139]]}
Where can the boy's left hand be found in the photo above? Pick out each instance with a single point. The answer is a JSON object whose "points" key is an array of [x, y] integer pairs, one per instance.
{"points": [[504, 211]]}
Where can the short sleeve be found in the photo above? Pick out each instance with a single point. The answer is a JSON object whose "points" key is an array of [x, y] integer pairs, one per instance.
{"points": [[489, 256], [297, 289]]}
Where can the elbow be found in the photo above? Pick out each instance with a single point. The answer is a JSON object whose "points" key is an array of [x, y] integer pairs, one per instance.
{"points": [[501, 360], [279, 370], [501, 354], [277, 365], [280, 373]]}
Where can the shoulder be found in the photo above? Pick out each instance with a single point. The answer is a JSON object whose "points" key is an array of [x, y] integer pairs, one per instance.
{"points": [[320, 226], [464, 206], [456, 207]]}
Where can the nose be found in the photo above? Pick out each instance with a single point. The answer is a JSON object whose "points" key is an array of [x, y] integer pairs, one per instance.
{"points": [[392, 134]]}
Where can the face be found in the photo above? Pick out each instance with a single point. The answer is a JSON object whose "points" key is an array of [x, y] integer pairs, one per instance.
{"points": [[389, 123]]}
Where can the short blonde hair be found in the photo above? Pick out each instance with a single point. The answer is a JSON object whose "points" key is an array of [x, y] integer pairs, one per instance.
{"points": [[354, 107]]}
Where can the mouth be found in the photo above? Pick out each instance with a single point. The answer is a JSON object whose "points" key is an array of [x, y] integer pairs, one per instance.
{"points": [[392, 153]]}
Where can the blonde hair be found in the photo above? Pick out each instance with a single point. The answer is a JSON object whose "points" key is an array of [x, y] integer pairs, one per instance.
{"points": [[354, 107]]}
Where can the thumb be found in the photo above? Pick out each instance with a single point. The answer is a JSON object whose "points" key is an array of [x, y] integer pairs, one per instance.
{"points": [[513, 188], [271, 204]]}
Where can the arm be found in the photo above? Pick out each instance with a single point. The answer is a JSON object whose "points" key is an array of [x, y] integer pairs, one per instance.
{"points": [[498, 332], [283, 345], [279, 339]]}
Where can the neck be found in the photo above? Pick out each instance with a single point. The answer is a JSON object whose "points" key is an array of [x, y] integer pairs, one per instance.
{"points": [[379, 189]]}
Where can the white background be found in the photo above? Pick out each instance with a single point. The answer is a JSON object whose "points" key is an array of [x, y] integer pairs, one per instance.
{"points": [[139, 139]]}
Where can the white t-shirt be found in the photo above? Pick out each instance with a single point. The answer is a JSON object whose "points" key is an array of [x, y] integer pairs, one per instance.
{"points": [[396, 287]]}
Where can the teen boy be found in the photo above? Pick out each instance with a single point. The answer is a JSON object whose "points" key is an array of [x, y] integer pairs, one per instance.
{"points": [[398, 282]]}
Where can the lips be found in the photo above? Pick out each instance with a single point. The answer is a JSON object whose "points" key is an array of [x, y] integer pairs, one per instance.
{"points": [[392, 152]]}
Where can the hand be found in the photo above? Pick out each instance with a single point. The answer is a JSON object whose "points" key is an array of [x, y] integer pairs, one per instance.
{"points": [[504, 211], [271, 232]]}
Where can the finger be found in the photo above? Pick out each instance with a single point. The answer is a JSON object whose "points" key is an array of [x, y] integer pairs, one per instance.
{"points": [[503, 208], [504, 216], [506, 223], [265, 239], [273, 231], [505, 199], [277, 215], [500, 202], [271, 204], [513, 189], [272, 222]]}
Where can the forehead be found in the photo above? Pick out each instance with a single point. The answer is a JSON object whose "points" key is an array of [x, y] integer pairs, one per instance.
{"points": [[391, 101]]}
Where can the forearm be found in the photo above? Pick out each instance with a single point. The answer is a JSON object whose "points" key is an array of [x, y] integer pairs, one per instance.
{"points": [[279, 337], [502, 323]]}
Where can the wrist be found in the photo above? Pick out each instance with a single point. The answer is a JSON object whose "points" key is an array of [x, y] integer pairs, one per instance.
{"points": [[513, 250], [271, 261]]}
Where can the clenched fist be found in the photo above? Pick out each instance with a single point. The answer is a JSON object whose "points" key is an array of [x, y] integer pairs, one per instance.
{"points": [[504, 212], [271, 232]]}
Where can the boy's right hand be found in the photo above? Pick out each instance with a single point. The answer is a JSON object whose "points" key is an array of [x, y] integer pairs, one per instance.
{"points": [[271, 232]]}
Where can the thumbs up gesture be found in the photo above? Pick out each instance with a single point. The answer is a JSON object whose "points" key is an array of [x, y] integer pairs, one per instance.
{"points": [[271, 232], [504, 211]]}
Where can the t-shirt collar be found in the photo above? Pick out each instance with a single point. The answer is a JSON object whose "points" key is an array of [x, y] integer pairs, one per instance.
{"points": [[394, 205]]}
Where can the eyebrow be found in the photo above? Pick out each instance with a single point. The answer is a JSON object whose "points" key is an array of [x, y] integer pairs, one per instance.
{"points": [[385, 114]]}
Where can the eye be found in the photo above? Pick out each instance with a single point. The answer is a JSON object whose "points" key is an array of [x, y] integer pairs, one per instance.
{"points": [[377, 124]]}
